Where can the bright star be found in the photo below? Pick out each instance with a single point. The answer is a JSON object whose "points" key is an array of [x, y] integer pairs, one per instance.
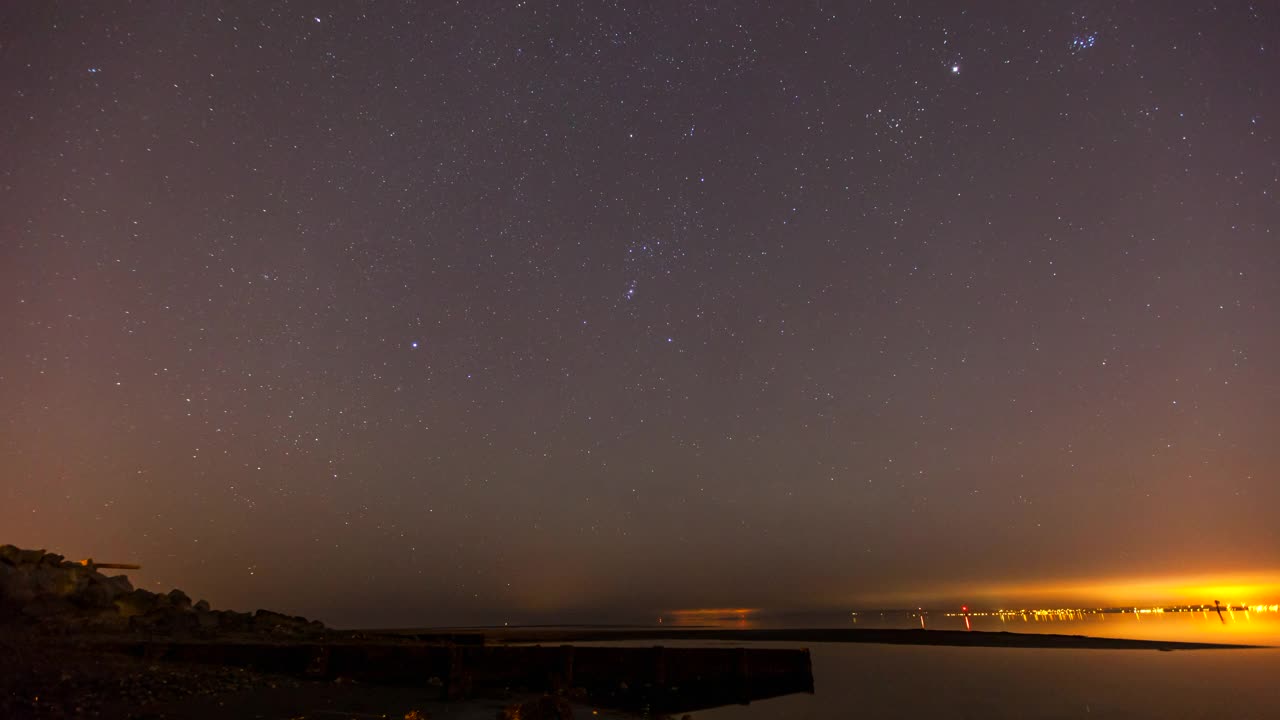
{"points": [[955, 69]]}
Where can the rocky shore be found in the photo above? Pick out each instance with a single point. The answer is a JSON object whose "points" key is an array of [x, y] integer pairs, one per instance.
{"points": [[57, 616], [45, 591], [54, 611]]}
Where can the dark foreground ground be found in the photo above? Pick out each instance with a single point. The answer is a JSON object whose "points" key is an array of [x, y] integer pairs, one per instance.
{"points": [[55, 677], [45, 677]]}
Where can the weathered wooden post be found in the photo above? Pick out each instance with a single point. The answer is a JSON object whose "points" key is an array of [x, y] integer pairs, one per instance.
{"points": [[457, 684], [659, 666], [808, 670], [319, 665], [566, 668]]}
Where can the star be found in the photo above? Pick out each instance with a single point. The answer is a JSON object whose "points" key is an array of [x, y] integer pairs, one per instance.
{"points": [[507, 186]]}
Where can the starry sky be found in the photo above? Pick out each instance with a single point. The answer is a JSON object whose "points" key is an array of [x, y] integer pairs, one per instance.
{"points": [[436, 313]]}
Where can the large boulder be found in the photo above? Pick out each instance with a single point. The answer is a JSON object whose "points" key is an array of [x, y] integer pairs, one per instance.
{"points": [[230, 621], [97, 595], [61, 580], [26, 575], [266, 621], [30, 557], [119, 583], [137, 602], [179, 600], [9, 554], [207, 621]]}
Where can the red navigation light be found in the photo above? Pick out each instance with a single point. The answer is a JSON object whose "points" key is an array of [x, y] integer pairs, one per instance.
{"points": [[964, 608]]}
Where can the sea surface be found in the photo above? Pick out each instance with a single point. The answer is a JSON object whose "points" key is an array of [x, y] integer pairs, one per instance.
{"points": [[901, 681], [898, 681]]}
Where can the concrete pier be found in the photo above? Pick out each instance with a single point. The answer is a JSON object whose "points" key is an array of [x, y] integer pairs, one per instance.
{"points": [[660, 678]]}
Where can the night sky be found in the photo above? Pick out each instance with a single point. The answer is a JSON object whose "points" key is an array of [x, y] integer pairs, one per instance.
{"points": [[427, 313]]}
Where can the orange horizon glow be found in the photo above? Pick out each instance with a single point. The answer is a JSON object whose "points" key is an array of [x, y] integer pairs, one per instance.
{"points": [[1190, 589], [709, 616]]}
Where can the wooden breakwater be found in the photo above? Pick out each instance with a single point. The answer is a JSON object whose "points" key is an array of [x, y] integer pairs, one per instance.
{"points": [[661, 678]]}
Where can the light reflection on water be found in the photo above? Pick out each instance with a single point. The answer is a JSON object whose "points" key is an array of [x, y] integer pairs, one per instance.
{"points": [[1235, 626]]}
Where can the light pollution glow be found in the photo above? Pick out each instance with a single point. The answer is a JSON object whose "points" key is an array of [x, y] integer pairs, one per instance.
{"points": [[1100, 592], [710, 616]]}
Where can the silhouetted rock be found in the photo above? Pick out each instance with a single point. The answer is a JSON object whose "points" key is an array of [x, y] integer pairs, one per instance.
{"points": [[96, 595], [206, 621], [9, 554], [136, 602], [27, 557], [266, 621], [179, 600], [120, 584], [230, 621], [44, 590]]}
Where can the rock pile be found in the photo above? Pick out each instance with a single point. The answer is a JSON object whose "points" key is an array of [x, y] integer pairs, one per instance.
{"points": [[45, 589], [547, 707]]}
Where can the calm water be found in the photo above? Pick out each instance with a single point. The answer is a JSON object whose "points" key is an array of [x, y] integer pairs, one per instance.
{"points": [[895, 681]]}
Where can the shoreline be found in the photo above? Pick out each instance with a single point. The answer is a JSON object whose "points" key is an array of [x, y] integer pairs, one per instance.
{"points": [[938, 638], [64, 675]]}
